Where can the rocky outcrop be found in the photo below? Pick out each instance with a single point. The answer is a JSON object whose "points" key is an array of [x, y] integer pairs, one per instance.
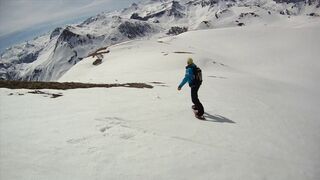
{"points": [[73, 39], [28, 58], [177, 30], [134, 29], [56, 32], [203, 3], [146, 18], [174, 10]]}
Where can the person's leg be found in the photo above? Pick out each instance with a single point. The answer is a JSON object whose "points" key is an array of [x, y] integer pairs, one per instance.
{"points": [[201, 109], [196, 101], [199, 105], [194, 96], [194, 107]]}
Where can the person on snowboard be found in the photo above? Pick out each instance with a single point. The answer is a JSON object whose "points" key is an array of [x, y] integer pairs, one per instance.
{"points": [[194, 83]]}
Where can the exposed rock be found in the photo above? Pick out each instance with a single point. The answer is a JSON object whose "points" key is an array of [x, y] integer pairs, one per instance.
{"points": [[56, 32], [221, 13], [288, 1], [35, 75], [97, 62], [205, 25], [53, 95], [203, 3], [74, 39], [248, 14], [133, 30], [177, 30], [174, 10], [92, 19], [28, 58], [314, 14], [146, 18], [137, 17], [133, 7]]}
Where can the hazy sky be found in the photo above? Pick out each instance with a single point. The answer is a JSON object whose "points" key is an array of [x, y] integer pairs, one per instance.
{"points": [[21, 18]]}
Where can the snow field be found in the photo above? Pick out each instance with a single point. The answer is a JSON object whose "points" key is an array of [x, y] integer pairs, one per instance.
{"points": [[260, 93]]}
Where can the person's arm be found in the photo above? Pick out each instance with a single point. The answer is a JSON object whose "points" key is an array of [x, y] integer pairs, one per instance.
{"points": [[186, 78]]}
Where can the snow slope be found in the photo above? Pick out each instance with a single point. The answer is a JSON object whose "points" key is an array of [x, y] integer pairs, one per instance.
{"points": [[48, 57], [260, 94]]}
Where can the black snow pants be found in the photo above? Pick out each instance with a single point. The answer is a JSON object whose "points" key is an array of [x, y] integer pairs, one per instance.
{"points": [[195, 99]]}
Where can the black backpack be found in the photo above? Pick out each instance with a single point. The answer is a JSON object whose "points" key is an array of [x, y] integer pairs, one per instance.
{"points": [[197, 75]]}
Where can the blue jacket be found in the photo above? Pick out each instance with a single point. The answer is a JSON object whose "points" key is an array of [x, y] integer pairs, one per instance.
{"points": [[189, 76]]}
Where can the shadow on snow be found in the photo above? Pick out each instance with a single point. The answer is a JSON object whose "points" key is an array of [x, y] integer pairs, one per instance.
{"points": [[217, 118]]}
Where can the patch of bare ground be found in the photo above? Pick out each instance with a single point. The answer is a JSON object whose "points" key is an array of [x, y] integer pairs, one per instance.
{"points": [[182, 52], [156, 83], [53, 95], [65, 85], [99, 55]]}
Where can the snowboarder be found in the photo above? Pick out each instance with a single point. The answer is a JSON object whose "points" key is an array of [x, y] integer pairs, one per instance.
{"points": [[194, 77]]}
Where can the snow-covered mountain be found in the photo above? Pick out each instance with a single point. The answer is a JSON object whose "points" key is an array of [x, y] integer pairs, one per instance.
{"points": [[48, 57]]}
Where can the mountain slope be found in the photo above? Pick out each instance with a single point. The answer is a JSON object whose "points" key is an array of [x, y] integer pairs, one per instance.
{"points": [[48, 57], [260, 93]]}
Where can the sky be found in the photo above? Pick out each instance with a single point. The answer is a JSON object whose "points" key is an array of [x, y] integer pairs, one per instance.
{"points": [[21, 20]]}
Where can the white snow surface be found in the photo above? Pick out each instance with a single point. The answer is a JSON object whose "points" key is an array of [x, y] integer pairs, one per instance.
{"points": [[260, 94]]}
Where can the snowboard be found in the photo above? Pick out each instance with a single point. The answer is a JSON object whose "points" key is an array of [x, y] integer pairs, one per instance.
{"points": [[195, 111]]}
